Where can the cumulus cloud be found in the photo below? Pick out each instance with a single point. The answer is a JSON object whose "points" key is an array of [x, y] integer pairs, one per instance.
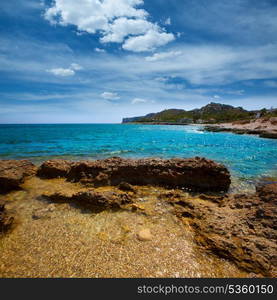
{"points": [[123, 27], [148, 42], [66, 72], [164, 55], [118, 21], [138, 100], [110, 96]]}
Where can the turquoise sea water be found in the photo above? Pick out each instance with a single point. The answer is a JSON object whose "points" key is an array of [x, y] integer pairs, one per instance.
{"points": [[246, 156]]}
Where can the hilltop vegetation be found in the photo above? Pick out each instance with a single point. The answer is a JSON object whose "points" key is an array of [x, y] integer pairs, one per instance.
{"points": [[211, 113]]}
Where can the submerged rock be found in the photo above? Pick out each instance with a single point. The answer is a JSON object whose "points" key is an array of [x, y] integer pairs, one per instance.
{"points": [[238, 227], [43, 213], [91, 198], [13, 173], [195, 174], [6, 220]]}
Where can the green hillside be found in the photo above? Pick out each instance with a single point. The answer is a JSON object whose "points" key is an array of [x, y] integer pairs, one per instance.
{"points": [[211, 113]]}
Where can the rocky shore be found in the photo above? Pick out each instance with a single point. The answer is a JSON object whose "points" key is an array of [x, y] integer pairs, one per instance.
{"points": [[263, 127], [240, 228], [196, 174], [13, 173]]}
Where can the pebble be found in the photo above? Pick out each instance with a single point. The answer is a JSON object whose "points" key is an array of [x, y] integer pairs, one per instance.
{"points": [[144, 235]]}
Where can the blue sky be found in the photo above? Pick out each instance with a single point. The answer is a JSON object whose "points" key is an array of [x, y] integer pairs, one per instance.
{"points": [[92, 61]]}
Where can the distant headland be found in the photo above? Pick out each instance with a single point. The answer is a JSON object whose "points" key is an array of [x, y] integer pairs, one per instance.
{"points": [[212, 113], [217, 117]]}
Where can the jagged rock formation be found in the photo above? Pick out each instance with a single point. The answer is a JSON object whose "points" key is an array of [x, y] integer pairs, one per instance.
{"points": [[238, 227], [195, 174], [13, 173], [54, 168]]}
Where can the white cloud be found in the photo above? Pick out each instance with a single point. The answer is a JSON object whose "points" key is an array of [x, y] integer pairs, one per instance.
{"points": [[147, 42], [164, 55], [66, 72], [211, 64], [123, 27], [118, 21], [216, 97], [110, 96], [62, 72], [138, 100], [168, 21]]}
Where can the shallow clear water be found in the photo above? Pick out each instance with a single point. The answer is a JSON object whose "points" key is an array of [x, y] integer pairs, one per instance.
{"points": [[246, 156]]}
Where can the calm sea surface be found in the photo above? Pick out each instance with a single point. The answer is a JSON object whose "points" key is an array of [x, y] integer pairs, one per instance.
{"points": [[246, 156]]}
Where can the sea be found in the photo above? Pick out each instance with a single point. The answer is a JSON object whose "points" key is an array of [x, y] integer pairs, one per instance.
{"points": [[248, 157]]}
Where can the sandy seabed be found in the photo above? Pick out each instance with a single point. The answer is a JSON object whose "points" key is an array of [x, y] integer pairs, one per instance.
{"points": [[64, 240]]}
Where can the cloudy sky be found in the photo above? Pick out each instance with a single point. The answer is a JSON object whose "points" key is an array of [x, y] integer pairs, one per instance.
{"points": [[96, 61]]}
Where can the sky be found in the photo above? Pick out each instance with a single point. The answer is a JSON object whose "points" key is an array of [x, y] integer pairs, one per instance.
{"points": [[97, 61]]}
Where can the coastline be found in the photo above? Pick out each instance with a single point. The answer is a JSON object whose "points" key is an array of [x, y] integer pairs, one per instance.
{"points": [[264, 128]]}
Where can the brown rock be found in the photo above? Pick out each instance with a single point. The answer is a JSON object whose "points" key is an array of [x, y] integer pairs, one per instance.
{"points": [[195, 174], [264, 131], [13, 173], [124, 186], [54, 168], [273, 120], [268, 192], [241, 228], [92, 199]]}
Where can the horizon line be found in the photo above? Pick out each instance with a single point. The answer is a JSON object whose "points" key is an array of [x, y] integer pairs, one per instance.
{"points": [[69, 123]]}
